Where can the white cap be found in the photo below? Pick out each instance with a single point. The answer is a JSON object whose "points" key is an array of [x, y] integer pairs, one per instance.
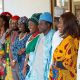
{"points": [[58, 11]]}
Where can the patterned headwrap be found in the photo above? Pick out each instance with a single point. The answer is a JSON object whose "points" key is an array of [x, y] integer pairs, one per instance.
{"points": [[6, 14], [15, 17], [23, 20], [35, 18]]}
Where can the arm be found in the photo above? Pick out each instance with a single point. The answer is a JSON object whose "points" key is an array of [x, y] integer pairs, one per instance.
{"points": [[25, 64]]}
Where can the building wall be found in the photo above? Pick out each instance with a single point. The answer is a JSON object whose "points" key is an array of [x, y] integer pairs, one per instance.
{"points": [[26, 7]]}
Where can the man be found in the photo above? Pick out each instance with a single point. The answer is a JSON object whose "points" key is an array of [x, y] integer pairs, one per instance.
{"points": [[42, 51], [57, 12], [56, 38], [45, 27]]}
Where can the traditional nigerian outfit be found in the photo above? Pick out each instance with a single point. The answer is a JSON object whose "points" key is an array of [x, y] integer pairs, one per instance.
{"points": [[30, 47], [2, 41], [19, 44], [42, 58], [65, 60], [13, 37]]}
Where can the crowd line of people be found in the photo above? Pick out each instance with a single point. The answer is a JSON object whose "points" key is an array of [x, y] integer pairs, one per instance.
{"points": [[31, 49]]}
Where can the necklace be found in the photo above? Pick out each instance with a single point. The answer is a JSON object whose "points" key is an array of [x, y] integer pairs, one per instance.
{"points": [[22, 36]]}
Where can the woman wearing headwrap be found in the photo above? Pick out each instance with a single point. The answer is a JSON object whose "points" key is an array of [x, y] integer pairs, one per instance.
{"points": [[8, 14], [12, 32], [11, 35], [18, 48], [30, 45], [4, 24]]}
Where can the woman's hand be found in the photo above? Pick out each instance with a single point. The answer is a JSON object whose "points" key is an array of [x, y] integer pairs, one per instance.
{"points": [[24, 71], [21, 51], [24, 68], [12, 63]]}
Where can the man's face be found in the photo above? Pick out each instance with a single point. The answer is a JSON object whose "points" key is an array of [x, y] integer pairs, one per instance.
{"points": [[56, 22], [42, 26]]}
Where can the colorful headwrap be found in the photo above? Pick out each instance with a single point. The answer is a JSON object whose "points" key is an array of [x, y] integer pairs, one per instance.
{"points": [[23, 20], [35, 18], [6, 14], [15, 17]]}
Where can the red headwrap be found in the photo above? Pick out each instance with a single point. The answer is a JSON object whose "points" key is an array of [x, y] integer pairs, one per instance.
{"points": [[15, 17], [6, 14]]}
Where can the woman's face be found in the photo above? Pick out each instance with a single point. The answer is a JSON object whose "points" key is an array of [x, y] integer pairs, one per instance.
{"points": [[21, 27], [60, 25], [14, 24], [32, 27]]}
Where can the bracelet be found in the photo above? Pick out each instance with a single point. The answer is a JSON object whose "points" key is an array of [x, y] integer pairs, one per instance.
{"points": [[13, 60], [26, 60]]}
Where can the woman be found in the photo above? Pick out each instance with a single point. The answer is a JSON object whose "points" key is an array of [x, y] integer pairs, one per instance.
{"points": [[65, 55], [4, 24], [30, 45], [11, 35], [18, 48]]}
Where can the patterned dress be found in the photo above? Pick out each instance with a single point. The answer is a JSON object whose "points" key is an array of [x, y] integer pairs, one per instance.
{"points": [[19, 44], [65, 60]]}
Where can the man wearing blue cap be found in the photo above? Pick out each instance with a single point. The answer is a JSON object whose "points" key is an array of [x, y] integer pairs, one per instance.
{"points": [[42, 58]]}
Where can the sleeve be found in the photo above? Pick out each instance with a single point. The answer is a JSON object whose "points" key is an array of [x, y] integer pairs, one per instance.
{"points": [[31, 46], [14, 50], [28, 49], [70, 58]]}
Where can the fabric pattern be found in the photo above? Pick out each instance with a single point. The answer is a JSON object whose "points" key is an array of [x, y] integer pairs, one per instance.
{"points": [[19, 44], [66, 53]]}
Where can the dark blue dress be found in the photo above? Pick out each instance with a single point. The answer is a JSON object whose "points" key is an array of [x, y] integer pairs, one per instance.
{"points": [[19, 44]]}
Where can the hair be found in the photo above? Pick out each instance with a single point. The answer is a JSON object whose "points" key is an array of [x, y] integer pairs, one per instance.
{"points": [[5, 19], [26, 27], [70, 25], [56, 20]]}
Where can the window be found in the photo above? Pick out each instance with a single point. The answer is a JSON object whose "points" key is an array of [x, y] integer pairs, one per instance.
{"points": [[1, 6]]}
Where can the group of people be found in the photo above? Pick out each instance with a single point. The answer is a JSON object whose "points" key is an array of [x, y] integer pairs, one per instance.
{"points": [[35, 50]]}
